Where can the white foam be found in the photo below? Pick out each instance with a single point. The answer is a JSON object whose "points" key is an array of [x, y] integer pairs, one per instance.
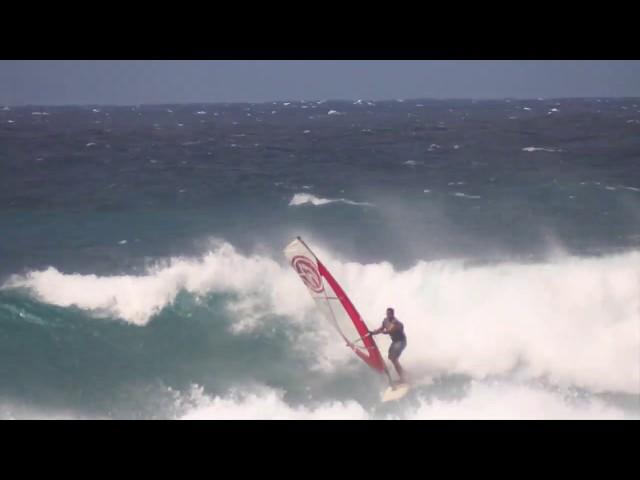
{"points": [[306, 198], [571, 321], [505, 402], [333, 112], [266, 404], [482, 402], [91, 144], [201, 112], [528, 109], [11, 121]]}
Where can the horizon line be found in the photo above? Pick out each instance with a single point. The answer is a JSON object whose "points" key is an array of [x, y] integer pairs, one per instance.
{"points": [[336, 100]]}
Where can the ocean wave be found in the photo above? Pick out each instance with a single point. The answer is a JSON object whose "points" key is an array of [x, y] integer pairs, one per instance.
{"points": [[572, 321]]}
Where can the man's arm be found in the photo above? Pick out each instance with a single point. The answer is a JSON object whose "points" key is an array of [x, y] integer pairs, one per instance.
{"points": [[377, 330]]}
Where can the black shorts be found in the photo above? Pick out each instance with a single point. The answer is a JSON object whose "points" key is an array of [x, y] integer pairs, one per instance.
{"points": [[396, 349]]}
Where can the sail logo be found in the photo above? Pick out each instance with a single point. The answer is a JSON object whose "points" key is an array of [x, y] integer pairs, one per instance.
{"points": [[308, 273]]}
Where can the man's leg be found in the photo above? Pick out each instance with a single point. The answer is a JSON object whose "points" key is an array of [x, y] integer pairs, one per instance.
{"points": [[396, 364], [394, 354]]}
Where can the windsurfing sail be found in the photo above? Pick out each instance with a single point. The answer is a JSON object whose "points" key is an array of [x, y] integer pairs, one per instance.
{"points": [[334, 304]]}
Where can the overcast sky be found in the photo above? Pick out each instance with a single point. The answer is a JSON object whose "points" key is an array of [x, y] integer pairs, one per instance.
{"points": [[111, 82]]}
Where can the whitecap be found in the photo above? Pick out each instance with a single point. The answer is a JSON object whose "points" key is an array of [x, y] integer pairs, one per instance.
{"points": [[306, 198], [541, 149], [464, 195]]}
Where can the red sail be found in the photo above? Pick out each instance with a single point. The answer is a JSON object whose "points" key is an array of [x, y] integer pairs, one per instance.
{"points": [[371, 355], [334, 303]]}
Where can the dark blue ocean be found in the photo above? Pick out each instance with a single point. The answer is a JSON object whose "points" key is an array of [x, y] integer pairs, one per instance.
{"points": [[142, 273]]}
